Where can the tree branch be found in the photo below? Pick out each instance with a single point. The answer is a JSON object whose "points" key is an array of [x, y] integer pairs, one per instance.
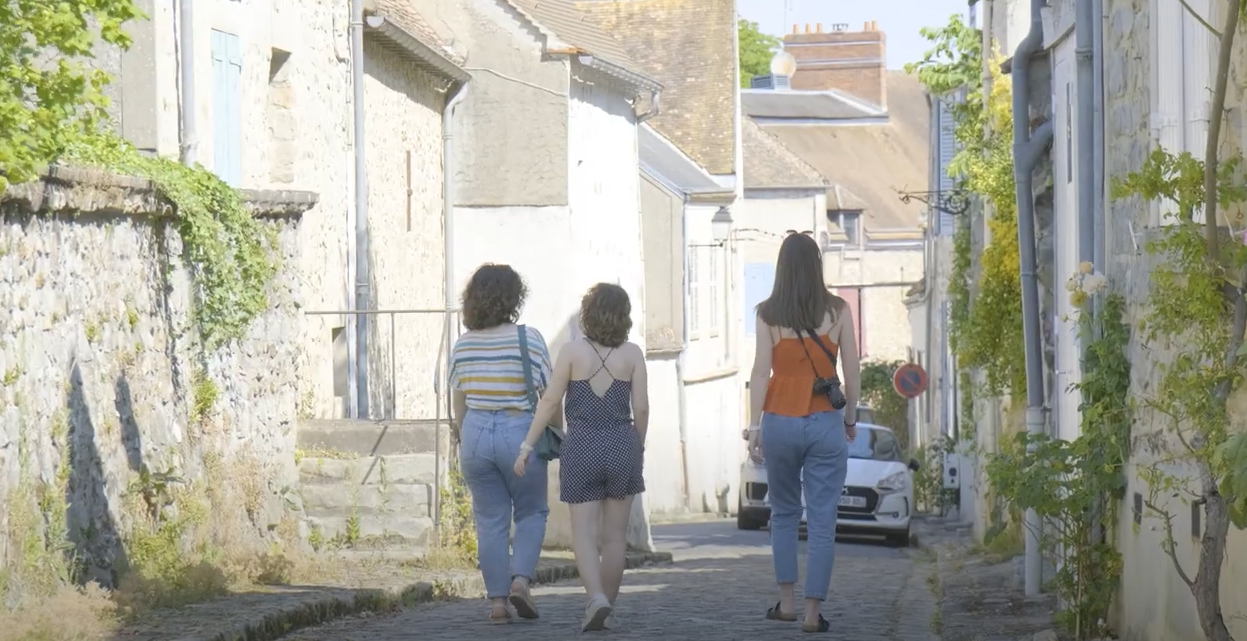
{"points": [[1170, 545], [1200, 18], [1216, 115]]}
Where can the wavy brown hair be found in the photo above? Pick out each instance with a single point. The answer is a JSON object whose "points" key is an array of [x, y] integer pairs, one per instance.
{"points": [[799, 298], [494, 296], [606, 315]]}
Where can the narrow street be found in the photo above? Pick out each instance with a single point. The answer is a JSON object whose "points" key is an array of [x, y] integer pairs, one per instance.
{"points": [[718, 588]]}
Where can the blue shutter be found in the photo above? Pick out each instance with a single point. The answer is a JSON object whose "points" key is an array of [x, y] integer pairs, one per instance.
{"points": [[759, 279], [227, 107], [947, 149]]}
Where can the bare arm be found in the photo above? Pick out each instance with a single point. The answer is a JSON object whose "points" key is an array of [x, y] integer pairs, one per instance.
{"points": [[640, 393], [850, 365], [760, 378], [461, 409], [549, 403]]}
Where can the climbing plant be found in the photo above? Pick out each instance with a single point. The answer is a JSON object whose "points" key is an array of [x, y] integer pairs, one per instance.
{"points": [[985, 326], [1196, 313], [891, 409], [1067, 482], [230, 252]]}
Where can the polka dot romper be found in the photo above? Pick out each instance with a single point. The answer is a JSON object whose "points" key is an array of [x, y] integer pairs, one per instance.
{"points": [[602, 454]]}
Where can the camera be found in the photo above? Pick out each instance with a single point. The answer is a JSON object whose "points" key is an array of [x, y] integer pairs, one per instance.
{"points": [[830, 388]]}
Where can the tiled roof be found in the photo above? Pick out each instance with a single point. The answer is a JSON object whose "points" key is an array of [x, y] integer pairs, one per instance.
{"points": [[570, 25], [805, 105], [690, 47], [660, 157], [868, 163], [405, 17], [770, 165]]}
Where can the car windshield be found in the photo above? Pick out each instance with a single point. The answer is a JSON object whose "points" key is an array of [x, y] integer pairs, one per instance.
{"points": [[875, 445]]}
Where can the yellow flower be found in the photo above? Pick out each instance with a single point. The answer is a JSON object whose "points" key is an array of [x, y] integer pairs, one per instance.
{"points": [[1085, 267]]}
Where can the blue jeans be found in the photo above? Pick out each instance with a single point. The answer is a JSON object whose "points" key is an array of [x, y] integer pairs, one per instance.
{"points": [[491, 443], [817, 445]]}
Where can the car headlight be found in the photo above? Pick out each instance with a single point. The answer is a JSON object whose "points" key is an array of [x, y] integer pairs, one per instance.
{"points": [[894, 482]]}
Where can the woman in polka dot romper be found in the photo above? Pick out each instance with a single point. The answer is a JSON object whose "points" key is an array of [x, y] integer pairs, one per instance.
{"points": [[602, 381]]}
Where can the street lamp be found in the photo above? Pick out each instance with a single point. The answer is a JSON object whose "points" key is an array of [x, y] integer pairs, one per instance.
{"points": [[721, 225]]}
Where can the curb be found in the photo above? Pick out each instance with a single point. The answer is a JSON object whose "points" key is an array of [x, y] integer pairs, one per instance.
{"points": [[325, 608]]}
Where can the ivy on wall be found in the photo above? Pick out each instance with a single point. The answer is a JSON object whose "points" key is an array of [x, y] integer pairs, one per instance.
{"points": [[985, 326]]}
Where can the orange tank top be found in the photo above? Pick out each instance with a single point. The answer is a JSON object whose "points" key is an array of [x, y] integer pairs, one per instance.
{"points": [[791, 390]]}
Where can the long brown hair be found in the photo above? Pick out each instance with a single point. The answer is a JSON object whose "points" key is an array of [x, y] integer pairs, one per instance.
{"points": [[799, 298]]}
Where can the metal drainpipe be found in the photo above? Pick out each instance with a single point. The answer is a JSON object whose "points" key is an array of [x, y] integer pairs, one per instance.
{"points": [[186, 42], [1084, 38], [681, 395], [1097, 143], [362, 301], [1027, 150]]}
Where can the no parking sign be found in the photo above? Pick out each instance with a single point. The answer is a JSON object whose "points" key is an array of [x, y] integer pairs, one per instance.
{"points": [[910, 380]]}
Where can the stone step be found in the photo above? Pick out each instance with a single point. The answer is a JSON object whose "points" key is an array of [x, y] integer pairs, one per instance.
{"points": [[371, 438], [370, 470], [379, 530], [342, 500]]}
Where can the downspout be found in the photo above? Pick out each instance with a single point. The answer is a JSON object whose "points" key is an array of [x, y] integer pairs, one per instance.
{"points": [[1084, 39], [682, 396], [456, 95], [362, 302], [1097, 144], [186, 42], [1028, 148], [654, 107]]}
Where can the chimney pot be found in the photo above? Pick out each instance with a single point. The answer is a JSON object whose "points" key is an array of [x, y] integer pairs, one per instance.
{"points": [[794, 28], [874, 25], [807, 27], [819, 27]]}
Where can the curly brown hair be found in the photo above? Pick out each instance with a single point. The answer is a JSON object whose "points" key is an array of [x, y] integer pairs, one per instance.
{"points": [[494, 296], [606, 315]]}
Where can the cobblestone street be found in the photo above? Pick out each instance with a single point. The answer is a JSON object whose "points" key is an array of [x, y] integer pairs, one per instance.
{"points": [[718, 588]]}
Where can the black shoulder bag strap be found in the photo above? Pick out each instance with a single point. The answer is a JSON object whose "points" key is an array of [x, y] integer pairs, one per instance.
{"points": [[826, 350]]}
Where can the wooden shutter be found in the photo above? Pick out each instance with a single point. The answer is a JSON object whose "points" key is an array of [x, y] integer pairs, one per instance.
{"points": [[1183, 57], [947, 143], [227, 107]]}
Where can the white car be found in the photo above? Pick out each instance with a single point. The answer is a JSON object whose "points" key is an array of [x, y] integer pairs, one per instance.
{"points": [[878, 494]]}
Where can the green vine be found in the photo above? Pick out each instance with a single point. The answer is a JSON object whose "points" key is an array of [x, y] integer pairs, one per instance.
{"points": [[229, 251], [985, 327], [1075, 486]]}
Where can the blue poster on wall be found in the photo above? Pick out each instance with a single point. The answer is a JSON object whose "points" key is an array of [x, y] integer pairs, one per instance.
{"points": [[759, 278]]}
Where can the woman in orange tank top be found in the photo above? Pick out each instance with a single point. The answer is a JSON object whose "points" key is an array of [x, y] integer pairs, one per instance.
{"points": [[797, 419]]}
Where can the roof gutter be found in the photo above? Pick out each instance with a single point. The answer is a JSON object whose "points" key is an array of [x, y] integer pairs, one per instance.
{"points": [[379, 23]]}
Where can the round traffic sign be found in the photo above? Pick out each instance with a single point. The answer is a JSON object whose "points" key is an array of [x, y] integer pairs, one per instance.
{"points": [[910, 380]]}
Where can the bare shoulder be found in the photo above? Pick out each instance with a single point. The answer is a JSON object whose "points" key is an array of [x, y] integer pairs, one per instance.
{"points": [[634, 352]]}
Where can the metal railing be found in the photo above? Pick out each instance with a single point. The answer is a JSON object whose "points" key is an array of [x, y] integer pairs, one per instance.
{"points": [[440, 383]]}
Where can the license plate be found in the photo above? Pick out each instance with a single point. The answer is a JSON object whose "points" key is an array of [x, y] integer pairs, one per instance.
{"points": [[852, 501]]}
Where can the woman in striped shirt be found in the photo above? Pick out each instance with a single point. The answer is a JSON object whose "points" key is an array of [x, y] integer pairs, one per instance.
{"points": [[492, 415]]}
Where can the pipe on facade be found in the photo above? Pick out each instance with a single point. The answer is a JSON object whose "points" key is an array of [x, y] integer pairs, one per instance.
{"points": [[686, 329], [1028, 148], [654, 107], [1084, 52], [360, 327], [186, 43], [1098, 248]]}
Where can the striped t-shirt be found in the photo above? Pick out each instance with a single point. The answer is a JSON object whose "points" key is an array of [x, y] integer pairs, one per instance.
{"points": [[486, 366]]}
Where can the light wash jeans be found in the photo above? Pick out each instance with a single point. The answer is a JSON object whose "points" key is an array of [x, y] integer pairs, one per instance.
{"points": [[817, 445], [491, 442]]}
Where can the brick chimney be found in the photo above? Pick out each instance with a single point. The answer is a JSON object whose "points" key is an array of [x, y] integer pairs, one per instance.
{"points": [[848, 61]]}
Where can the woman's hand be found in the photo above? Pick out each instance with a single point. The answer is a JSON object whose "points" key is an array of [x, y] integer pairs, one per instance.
{"points": [[521, 461], [850, 432], [755, 444]]}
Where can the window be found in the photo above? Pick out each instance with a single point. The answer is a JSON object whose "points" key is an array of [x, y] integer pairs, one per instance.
{"points": [[226, 107], [694, 290], [714, 300], [849, 223], [1182, 61]]}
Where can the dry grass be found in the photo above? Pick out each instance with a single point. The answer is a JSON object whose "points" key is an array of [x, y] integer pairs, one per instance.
{"points": [[72, 614]]}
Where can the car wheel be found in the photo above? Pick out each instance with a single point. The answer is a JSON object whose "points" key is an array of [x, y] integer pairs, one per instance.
{"points": [[899, 539], [743, 522]]}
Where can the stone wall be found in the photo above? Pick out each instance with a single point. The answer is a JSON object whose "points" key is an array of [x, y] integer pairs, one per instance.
{"points": [[99, 365]]}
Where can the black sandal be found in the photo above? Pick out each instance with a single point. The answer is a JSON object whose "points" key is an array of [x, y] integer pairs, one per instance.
{"points": [[822, 626], [775, 614]]}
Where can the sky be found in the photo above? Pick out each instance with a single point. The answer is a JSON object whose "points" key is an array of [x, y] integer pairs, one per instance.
{"points": [[900, 20]]}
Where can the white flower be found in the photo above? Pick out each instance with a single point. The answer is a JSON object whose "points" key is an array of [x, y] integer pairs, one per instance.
{"points": [[1071, 285], [1094, 283]]}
